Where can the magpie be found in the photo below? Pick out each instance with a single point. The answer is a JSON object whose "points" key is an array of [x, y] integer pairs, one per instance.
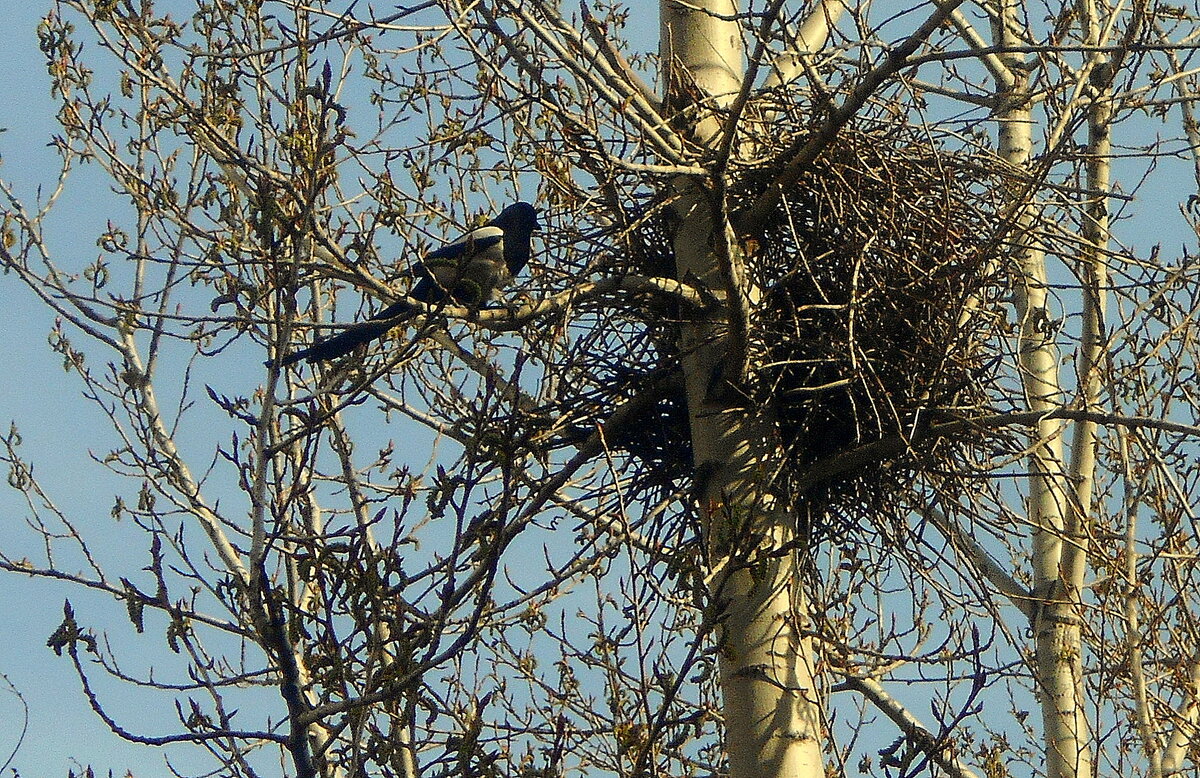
{"points": [[468, 272]]}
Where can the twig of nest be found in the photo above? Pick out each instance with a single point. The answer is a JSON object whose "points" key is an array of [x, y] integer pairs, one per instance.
{"points": [[880, 271], [879, 274]]}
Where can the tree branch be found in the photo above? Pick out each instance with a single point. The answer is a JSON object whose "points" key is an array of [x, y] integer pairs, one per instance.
{"points": [[805, 150], [933, 746], [892, 446]]}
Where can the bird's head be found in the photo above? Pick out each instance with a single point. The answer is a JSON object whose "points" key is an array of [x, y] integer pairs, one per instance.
{"points": [[518, 217]]}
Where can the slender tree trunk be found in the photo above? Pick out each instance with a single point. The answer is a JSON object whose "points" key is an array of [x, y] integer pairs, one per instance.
{"points": [[772, 711], [1057, 573]]}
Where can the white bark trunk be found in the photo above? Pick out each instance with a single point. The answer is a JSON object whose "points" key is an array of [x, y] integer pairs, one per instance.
{"points": [[772, 711], [1058, 659]]}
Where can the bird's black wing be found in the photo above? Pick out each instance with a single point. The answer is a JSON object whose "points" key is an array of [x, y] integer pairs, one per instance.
{"points": [[466, 271], [472, 243]]}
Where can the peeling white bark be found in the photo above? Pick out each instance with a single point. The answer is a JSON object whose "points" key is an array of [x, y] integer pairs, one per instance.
{"points": [[771, 706], [1058, 664]]}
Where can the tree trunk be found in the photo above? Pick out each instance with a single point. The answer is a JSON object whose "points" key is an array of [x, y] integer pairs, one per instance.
{"points": [[1057, 572], [771, 705]]}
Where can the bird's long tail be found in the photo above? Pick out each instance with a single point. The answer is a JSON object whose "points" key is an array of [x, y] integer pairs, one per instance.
{"points": [[352, 337]]}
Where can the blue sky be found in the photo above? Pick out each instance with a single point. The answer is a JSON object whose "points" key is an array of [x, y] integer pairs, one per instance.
{"points": [[56, 427]]}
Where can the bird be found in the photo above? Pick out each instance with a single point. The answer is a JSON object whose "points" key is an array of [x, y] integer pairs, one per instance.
{"points": [[468, 272]]}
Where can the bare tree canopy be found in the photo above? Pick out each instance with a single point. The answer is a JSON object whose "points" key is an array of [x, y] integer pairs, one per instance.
{"points": [[839, 418]]}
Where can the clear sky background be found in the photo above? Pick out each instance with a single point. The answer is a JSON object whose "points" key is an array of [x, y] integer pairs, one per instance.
{"points": [[57, 427], [61, 432]]}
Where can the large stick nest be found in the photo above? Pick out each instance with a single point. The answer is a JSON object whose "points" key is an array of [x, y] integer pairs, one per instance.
{"points": [[879, 277], [881, 272]]}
